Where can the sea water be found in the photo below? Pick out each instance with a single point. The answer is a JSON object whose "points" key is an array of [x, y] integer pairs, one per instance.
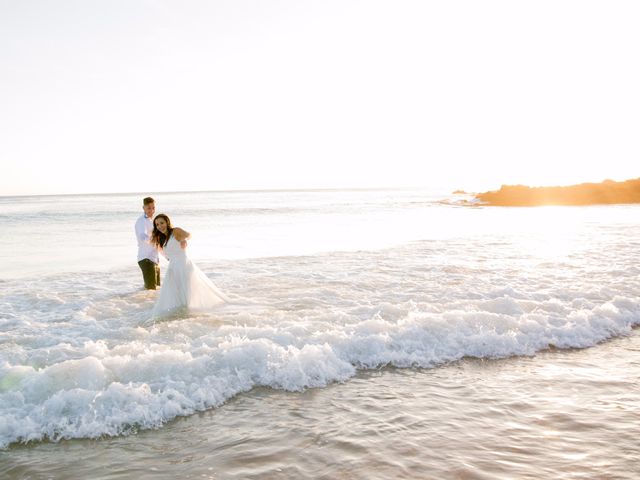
{"points": [[371, 334]]}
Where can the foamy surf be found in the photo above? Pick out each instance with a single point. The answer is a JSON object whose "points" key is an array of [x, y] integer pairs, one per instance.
{"points": [[401, 282], [99, 371]]}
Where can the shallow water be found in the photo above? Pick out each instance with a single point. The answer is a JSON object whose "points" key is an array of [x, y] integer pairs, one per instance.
{"points": [[561, 414], [362, 340]]}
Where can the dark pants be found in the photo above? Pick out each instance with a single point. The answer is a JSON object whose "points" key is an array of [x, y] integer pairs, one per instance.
{"points": [[150, 273]]}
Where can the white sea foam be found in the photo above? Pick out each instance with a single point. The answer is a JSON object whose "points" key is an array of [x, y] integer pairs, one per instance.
{"points": [[100, 373], [79, 359]]}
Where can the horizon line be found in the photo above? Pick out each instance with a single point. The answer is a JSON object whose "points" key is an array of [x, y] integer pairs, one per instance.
{"points": [[243, 190]]}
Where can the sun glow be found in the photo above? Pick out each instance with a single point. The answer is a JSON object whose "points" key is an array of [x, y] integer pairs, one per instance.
{"points": [[549, 233], [161, 96]]}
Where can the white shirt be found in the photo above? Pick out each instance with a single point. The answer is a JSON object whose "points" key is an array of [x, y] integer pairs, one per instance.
{"points": [[144, 227]]}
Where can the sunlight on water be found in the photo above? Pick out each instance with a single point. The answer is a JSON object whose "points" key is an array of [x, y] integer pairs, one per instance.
{"points": [[325, 286]]}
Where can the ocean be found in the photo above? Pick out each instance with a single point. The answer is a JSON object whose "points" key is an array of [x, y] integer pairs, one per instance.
{"points": [[370, 334]]}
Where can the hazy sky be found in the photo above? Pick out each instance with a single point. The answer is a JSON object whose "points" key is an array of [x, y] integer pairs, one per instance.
{"points": [[129, 95]]}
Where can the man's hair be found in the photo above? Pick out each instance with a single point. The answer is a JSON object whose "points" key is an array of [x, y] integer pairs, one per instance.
{"points": [[147, 201]]}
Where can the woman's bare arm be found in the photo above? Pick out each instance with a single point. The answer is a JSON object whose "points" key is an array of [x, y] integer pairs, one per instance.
{"points": [[181, 234]]}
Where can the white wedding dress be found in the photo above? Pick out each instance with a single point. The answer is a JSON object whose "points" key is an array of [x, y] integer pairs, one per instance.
{"points": [[185, 286]]}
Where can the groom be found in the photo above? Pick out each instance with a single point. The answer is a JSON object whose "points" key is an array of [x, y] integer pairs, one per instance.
{"points": [[147, 254]]}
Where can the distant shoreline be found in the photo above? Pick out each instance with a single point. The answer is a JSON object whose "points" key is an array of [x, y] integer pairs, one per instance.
{"points": [[604, 193]]}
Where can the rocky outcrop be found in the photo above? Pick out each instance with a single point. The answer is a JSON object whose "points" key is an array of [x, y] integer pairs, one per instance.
{"points": [[607, 192]]}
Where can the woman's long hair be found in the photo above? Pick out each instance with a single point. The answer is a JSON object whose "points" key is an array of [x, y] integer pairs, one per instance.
{"points": [[158, 238]]}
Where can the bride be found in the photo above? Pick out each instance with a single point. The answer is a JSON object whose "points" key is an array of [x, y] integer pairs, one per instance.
{"points": [[184, 285]]}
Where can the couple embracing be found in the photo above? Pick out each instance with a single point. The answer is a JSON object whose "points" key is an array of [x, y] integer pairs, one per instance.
{"points": [[185, 287]]}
